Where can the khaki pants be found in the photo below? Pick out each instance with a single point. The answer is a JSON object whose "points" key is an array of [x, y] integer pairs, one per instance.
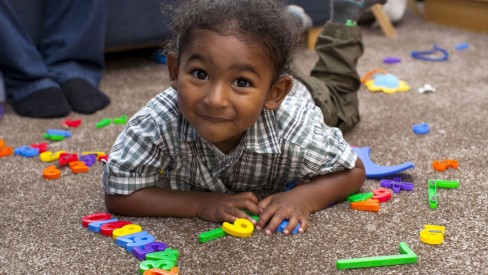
{"points": [[334, 81]]}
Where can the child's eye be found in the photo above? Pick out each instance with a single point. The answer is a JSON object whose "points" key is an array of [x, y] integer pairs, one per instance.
{"points": [[242, 83], [200, 74]]}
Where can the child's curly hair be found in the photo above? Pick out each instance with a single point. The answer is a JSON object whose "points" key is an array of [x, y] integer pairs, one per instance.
{"points": [[263, 21]]}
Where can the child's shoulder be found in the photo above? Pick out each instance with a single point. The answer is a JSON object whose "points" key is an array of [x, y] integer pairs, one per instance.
{"points": [[164, 106], [298, 119]]}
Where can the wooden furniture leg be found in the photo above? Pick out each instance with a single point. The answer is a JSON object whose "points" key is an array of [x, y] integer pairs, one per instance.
{"points": [[383, 20]]}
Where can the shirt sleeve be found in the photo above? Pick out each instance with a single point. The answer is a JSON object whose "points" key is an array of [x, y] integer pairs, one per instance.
{"points": [[137, 156], [328, 152]]}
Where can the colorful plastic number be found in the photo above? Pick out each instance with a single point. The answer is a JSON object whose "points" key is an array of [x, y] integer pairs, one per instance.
{"points": [[141, 252], [359, 197], [103, 123], [367, 205], [78, 167], [135, 240], [442, 165], [159, 271], [381, 194], [241, 228], [432, 234], [396, 184], [107, 228], [53, 137], [95, 226], [41, 146], [51, 173], [120, 120], [6, 151], [282, 226], [65, 158], [89, 160], [407, 256], [126, 230], [50, 156], [27, 151]]}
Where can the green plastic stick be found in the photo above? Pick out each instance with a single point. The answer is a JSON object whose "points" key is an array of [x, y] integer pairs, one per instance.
{"points": [[103, 123], [407, 256], [53, 137], [432, 194], [211, 235], [449, 184]]}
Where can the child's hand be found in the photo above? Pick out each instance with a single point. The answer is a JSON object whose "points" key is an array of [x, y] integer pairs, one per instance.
{"points": [[284, 206], [223, 207]]}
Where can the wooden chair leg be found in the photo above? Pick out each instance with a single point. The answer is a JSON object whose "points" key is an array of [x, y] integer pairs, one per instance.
{"points": [[383, 20]]}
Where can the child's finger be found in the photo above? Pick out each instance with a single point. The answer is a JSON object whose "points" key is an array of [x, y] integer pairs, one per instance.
{"points": [[292, 224], [273, 224], [303, 225]]}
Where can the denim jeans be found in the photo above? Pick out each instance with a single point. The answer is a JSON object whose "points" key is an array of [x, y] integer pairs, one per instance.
{"points": [[71, 46]]}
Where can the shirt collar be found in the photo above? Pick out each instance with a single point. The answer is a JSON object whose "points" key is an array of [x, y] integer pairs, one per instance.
{"points": [[260, 138]]}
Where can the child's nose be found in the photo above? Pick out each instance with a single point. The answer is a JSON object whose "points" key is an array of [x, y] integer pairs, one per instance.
{"points": [[216, 96]]}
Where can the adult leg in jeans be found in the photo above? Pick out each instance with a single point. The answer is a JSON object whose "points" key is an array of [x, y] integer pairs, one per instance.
{"points": [[28, 83], [73, 47]]}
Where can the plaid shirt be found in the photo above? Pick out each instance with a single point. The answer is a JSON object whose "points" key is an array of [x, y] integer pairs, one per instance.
{"points": [[159, 148]]}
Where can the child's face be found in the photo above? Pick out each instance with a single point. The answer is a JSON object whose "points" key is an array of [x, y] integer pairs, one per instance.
{"points": [[223, 84]]}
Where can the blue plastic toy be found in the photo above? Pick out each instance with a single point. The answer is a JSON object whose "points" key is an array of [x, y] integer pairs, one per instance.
{"points": [[374, 170], [421, 128], [427, 55]]}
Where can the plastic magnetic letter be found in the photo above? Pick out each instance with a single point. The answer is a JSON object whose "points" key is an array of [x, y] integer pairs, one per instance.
{"points": [[407, 256], [41, 146], [95, 226], [95, 217], [140, 252], [241, 228], [211, 235], [126, 230]]}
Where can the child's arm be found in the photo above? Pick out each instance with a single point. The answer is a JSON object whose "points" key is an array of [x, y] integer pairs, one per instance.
{"points": [[297, 204], [160, 202]]}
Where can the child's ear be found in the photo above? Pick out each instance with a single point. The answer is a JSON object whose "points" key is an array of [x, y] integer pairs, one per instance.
{"points": [[173, 68], [278, 92]]}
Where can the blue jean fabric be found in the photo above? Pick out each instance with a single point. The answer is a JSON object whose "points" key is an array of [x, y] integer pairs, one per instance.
{"points": [[71, 46]]}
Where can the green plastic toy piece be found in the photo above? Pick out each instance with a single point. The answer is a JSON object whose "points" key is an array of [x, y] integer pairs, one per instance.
{"points": [[449, 184], [211, 235], [432, 194], [360, 197], [103, 123], [120, 120], [53, 137], [407, 256]]}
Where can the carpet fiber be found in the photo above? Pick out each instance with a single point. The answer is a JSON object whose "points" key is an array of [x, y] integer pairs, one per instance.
{"points": [[41, 220]]}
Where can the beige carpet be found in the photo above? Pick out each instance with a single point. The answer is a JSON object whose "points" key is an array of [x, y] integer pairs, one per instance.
{"points": [[41, 228]]}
